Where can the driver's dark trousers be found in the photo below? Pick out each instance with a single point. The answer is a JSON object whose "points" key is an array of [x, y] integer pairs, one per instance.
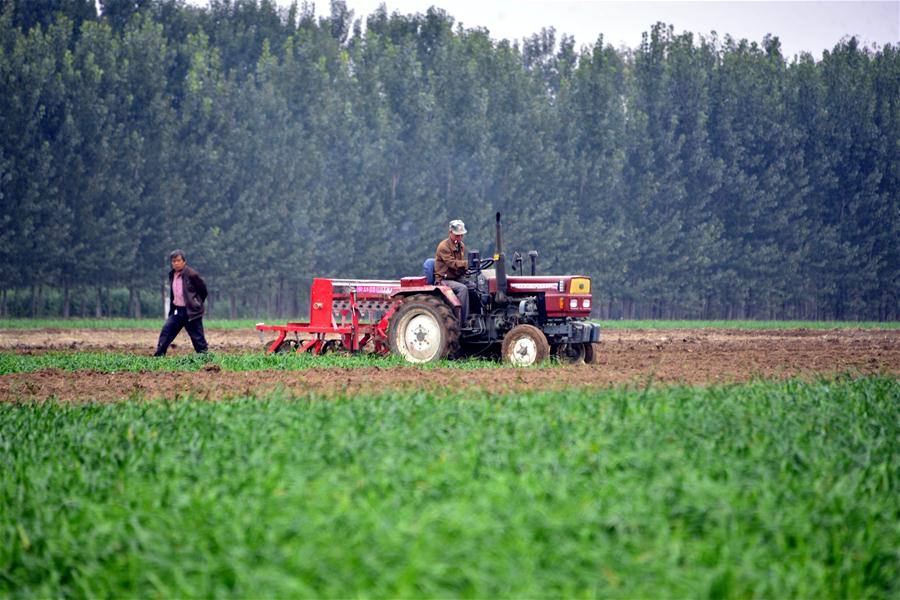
{"points": [[177, 321], [462, 292]]}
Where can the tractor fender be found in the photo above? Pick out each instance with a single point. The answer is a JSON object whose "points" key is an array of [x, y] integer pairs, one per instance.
{"points": [[434, 290], [439, 291]]}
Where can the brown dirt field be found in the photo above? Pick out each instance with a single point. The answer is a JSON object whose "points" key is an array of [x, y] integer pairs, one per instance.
{"points": [[692, 356], [138, 341]]}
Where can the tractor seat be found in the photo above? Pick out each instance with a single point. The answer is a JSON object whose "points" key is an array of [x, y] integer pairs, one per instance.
{"points": [[428, 270]]}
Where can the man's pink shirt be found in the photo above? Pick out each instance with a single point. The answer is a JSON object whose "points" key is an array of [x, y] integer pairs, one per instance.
{"points": [[177, 290]]}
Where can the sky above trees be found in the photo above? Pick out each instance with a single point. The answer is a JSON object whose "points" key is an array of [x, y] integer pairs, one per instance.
{"points": [[800, 26]]}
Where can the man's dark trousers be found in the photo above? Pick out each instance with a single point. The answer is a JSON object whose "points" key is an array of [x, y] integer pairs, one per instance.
{"points": [[462, 293], [174, 324]]}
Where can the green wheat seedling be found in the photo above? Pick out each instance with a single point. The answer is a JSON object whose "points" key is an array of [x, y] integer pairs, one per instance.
{"points": [[113, 362], [764, 490]]}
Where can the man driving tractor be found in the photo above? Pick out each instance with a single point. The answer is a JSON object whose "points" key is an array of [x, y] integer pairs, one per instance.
{"points": [[450, 266]]}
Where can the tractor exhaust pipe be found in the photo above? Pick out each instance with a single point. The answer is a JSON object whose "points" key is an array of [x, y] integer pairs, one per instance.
{"points": [[500, 265], [533, 254]]}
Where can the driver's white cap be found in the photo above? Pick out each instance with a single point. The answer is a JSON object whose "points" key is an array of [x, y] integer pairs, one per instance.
{"points": [[457, 227]]}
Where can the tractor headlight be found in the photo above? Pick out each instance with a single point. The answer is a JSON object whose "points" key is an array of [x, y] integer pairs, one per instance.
{"points": [[580, 285]]}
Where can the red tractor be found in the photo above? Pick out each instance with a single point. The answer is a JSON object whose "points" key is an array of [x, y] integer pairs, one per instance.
{"points": [[524, 318]]}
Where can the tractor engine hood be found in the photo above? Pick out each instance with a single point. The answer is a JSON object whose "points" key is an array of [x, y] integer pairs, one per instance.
{"points": [[565, 295]]}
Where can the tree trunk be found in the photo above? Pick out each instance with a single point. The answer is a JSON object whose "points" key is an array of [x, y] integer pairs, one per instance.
{"points": [[748, 304], [449, 182], [276, 295], [67, 300], [98, 307], [295, 300], [37, 301], [134, 296], [165, 300], [839, 303], [4, 307], [232, 306]]}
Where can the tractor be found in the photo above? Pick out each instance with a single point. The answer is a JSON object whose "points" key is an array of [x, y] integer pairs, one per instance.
{"points": [[523, 319]]}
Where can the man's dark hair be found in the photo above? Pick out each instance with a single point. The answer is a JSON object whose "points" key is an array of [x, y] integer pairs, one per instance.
{"points": [[175, 253]]}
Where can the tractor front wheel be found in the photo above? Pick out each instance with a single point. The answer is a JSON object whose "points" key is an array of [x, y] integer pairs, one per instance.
{"points": [[570, 354], [423, 330], [592, 353], [525, 345]]}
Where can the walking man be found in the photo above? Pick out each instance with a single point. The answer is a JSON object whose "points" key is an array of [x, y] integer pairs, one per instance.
{"points": [[450, 266], [187, 293]]}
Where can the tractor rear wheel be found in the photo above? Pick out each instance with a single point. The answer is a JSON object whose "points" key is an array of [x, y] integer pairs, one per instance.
{"points": [[423, 330], [525, 345], [592, 353]]}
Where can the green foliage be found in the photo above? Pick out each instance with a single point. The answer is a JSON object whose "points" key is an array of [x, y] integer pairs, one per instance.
{"points": [[27, 14], [758, 490], [109, 362], [691, 177]]}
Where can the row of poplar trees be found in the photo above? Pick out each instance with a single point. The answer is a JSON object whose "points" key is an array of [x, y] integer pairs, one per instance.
{"points": [[691, 177]]}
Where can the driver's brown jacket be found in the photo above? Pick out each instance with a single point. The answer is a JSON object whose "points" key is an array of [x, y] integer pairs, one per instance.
{"points": [[450, 261]]}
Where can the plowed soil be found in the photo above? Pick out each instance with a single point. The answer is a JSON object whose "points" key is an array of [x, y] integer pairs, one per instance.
{"points": [[692, 356]]}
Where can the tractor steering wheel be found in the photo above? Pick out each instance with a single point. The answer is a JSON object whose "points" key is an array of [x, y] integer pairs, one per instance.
{"points": [[486, 263]]}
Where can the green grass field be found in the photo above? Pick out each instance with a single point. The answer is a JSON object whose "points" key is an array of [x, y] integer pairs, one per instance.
{"points": [[770, 490], [249, 324], [117, 362]]}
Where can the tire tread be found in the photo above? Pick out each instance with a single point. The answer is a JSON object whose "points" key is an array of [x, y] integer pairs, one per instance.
{"points": [[443, 313]]}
